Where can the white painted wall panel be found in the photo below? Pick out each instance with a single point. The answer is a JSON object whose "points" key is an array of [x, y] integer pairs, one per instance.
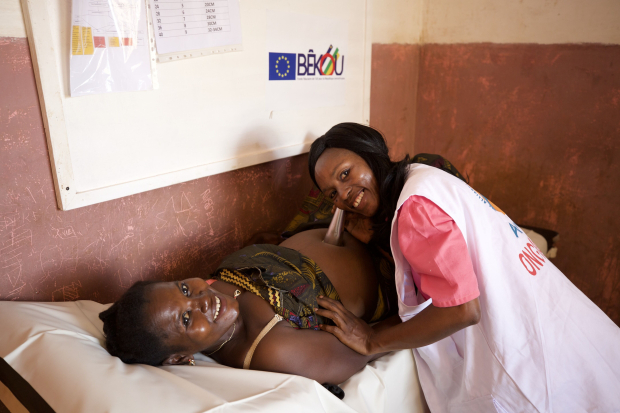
{"points": [[11, 19], [524, 21], [496, 21], [209, 115]]}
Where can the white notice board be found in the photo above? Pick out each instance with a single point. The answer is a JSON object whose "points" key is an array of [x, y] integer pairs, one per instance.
{"points": [[210, 114]]}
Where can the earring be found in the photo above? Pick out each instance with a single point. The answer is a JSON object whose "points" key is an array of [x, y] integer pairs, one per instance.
{"points": [[237, 294], [192, 362]]}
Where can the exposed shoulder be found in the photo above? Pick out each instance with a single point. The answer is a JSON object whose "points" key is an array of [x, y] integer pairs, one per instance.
{"points": [[317, 355], [254, 314], [274, 345], [280, 349]]}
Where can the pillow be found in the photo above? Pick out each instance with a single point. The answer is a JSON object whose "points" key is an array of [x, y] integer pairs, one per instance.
{"points": [[58, 349]]}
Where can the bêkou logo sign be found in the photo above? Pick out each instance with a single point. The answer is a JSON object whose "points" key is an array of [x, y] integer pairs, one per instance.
{"points": [[289, 66]]}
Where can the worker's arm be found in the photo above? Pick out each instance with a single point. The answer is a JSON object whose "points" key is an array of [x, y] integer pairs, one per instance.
{"points": [[429, 326]]}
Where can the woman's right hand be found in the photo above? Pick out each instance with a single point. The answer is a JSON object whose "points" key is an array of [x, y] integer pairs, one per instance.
{"points": [[358, 225]]}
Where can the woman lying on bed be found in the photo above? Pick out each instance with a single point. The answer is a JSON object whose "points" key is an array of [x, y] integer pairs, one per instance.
{"points": [[235, 316]]}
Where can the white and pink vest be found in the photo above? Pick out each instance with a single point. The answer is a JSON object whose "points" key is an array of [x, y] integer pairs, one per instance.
{"points": [[541, 345]]}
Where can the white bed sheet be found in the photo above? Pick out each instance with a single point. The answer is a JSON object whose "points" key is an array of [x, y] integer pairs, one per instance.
{"points": [[57, 348]]}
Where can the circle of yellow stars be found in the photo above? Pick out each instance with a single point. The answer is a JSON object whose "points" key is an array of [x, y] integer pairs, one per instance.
{"points": [[288, 66]]}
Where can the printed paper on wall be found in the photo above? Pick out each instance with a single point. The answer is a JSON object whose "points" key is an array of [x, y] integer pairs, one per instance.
{"points": [[109, 47], [184, 25]]}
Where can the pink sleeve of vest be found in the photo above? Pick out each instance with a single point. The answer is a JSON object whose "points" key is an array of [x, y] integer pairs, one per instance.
{"points": [[435, 248]]}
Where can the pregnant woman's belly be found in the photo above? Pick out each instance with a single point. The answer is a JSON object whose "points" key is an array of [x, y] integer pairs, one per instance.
{"points": [[349, 268]]}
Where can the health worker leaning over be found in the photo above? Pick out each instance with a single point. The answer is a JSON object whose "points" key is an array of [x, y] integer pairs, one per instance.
{"points": [[494, 325]]}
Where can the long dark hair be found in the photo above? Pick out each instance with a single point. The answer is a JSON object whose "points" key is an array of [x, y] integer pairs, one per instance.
{"points": [[370, 145], [129, 335]]}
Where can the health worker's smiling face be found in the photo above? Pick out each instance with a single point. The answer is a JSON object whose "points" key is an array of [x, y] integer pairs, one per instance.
{"points": [[192, 315], [345, 178]]}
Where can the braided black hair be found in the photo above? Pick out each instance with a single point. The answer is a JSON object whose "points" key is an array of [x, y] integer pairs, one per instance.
{"points": [[370, 145], [128, 333]]}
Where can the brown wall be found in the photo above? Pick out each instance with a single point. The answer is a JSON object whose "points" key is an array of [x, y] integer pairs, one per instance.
{"points": [[98, 251], [537, 129], [393, 94]]}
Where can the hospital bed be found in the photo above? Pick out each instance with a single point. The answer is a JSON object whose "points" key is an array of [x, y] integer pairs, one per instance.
{"points": [[54, 360]]}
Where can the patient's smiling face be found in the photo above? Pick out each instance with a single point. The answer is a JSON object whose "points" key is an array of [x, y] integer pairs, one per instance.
{"points": [[191, 315]]}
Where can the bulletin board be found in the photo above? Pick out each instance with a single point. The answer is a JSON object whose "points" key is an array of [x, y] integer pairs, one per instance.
{"points": [[209, 115]]}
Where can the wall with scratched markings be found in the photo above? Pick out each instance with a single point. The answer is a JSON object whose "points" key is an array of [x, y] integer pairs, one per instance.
{"points": [[97, 252]]}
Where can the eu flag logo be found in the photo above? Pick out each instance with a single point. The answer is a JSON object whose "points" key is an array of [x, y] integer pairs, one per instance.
{"points": [[281, 66]]}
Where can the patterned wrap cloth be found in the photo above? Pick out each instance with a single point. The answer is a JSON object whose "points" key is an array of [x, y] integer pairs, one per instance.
{"points": [[286, 279]]}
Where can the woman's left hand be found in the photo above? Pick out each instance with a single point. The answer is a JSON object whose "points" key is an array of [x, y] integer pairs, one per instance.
{"points": [[359, 226], [350, 330]]}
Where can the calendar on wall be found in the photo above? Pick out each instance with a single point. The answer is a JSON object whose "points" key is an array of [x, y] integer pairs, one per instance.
{"points": [[182, 26]]}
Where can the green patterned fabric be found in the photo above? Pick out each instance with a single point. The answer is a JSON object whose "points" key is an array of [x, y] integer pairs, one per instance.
{"points": [[439, 162], [286, 279]]}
